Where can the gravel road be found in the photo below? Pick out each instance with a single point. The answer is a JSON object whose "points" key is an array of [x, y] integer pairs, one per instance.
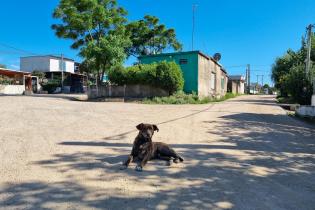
{"points": [[244, 153]]}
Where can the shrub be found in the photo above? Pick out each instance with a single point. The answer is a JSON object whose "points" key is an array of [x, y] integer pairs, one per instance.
{"points": [[51, 85], [181, 98], [167, 76], [4, 80]]}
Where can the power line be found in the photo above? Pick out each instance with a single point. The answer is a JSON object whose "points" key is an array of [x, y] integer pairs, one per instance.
{"points": [[17, 49]]}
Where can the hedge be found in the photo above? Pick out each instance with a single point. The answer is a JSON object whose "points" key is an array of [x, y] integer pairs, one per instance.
{"points": [[165, 75]]}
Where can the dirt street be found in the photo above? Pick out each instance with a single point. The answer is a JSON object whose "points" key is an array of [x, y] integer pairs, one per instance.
{"points": [[244, 153]]}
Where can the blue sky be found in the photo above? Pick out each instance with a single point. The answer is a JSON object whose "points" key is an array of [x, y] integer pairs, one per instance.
{"points": [[243, 31]]}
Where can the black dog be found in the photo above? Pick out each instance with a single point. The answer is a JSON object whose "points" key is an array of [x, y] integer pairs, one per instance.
{"points": [[157, 150], [144, 136], [145, 149]]}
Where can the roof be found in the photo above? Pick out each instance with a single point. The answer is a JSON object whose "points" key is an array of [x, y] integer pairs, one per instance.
{"points": [[11, 72], [183, 53], [237, 77], [49, 56]]}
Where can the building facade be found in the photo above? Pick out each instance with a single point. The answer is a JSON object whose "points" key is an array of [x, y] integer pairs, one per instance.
{"points": [[202, 74], [236, 84], [47, 63]]}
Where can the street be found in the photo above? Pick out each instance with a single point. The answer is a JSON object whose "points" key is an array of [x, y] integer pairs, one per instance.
{"points": [[244, 153]]}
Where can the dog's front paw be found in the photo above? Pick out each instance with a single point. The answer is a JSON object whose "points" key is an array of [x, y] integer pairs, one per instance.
{"points": [[138, 168], [123, 167]]}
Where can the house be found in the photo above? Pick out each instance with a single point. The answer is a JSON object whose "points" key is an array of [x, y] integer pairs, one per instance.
{"points": [[47, 63], [56, 67], [202, 74], [14, 82], [236, 84]]}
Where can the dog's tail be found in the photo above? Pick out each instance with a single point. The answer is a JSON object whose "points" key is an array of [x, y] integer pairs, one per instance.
{"points": [[180, 159]]}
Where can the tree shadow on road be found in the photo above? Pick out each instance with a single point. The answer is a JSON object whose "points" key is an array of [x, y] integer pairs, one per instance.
{"points": [[262, 162]]}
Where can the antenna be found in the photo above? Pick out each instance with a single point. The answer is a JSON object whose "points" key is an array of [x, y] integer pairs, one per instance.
{"points": [[194, 6]]}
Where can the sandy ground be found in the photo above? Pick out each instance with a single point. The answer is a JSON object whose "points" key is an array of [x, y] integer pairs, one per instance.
{"points": [[244, 153]]}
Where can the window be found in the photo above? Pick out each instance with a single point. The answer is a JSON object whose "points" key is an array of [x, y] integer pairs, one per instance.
{"points": [[183, 61], [212, 80], [222, 82]]}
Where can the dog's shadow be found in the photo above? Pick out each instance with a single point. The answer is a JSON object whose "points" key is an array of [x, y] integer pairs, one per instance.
{"points": [[116, 162]]}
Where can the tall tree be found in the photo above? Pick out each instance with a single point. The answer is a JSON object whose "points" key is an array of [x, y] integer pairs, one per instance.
{"points": [[97, 28], [288, 73], [148, 36]]}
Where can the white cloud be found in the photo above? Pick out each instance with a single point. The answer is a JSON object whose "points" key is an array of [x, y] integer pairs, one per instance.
{"points": [[15, 67]]}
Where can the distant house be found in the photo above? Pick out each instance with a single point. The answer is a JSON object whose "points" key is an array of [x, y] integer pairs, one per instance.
{"points": [[13, 82], [53, 66], [236, 84], [202, 74], [47, 63]]}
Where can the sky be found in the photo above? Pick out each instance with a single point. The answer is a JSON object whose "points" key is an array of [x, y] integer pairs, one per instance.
{"points": [[251, 32]]}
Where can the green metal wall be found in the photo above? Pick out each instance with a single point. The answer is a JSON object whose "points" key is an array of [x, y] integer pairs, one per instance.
{"points": [[190, 70]]}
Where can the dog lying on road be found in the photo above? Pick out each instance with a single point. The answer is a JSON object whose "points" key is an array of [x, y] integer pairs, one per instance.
{"points": [[144, 149]]}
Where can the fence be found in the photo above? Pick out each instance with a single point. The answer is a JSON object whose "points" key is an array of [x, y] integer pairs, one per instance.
{"points": [[12, 89], [127, 91]]}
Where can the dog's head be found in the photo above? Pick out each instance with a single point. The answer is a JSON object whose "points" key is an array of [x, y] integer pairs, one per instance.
{"points": [[146, 131]]}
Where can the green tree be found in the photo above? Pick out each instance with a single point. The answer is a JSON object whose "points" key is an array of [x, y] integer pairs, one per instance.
{"points": [[148, 36], [289, 74], [97, 28], [3, 66], [298, 85], [282, 67]]}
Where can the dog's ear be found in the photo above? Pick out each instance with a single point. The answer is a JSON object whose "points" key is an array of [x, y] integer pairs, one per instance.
{"points": [[140, 126], [156, 128]]}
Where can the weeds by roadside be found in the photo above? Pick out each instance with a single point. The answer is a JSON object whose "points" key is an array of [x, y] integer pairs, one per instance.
{"points": [[182, 98]]}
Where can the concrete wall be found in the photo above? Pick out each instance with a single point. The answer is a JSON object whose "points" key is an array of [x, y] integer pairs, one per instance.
{"points": [[128, 91], [30, 64], [189, 69], [237, 87], [306, 111], [204, 77], [12, 89]]}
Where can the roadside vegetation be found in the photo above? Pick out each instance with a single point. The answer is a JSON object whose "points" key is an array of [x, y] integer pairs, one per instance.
{"points": [[182, 98], [4, 80], [290, 78], [164, 75]]}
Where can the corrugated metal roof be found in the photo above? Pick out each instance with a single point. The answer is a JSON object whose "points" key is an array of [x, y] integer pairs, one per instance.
{"points": [[48, 56]]}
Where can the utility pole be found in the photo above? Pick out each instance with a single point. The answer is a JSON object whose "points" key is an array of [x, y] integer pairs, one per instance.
{"points": [[248, 78], [262, 80], [194, 6], [309, 49], [310, 75], [257, 83], [62, 76]]}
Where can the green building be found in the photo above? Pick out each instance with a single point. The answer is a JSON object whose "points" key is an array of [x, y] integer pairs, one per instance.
{"points": [[202, 74]]}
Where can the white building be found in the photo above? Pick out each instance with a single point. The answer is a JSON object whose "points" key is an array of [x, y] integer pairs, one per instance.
{"points": [[46, 63]]}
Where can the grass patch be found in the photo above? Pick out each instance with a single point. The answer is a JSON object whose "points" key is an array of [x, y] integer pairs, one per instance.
{"points": [[285, 100], [182, 98]]}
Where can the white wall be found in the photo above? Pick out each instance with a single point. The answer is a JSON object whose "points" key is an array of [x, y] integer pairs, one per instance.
{"points": [[70, 66], [55, 65], [242, 88], [44, 64], [30, 64], [12, 89]]}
